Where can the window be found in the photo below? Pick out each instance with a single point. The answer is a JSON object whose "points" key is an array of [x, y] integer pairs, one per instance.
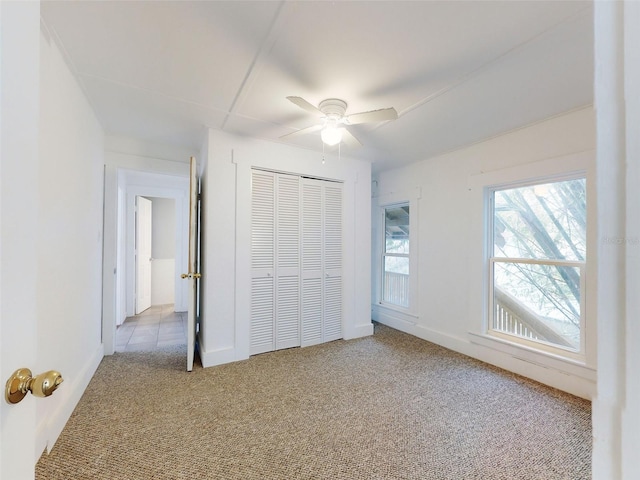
{"points": [[537, 264], [395, 256]]}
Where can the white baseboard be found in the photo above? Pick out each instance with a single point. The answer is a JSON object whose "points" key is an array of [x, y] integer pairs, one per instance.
{"points": [[539, 369], [211, 358], [69, 394], [358, 331]]}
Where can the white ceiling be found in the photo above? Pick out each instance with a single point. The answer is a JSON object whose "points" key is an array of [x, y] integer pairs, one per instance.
{"points": [[456, 71]]}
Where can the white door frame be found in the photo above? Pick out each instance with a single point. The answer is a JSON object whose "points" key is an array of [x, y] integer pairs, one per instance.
{"points": [[181, 196], [119, 262]]}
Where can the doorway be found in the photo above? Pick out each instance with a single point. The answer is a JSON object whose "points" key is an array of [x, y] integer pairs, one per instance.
{"points": [[122, 189], [155, 252], [155, 324]]}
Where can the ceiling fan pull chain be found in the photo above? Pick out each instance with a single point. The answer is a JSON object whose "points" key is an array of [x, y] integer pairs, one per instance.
{"points": [[323, 153]]}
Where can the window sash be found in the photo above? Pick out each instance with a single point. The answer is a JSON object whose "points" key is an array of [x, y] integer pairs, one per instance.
{"points": [[570, 249], [395, 285], [520, 332]]}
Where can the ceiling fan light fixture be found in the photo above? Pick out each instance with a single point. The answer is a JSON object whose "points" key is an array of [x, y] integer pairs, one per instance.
{"points": [[331, 135]]}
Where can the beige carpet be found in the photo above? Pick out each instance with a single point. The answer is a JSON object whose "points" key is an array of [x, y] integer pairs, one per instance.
{"points": [[389, 406]]}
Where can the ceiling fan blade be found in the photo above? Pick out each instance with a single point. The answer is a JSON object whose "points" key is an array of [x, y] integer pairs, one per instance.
{"points": [[372, 116], [349, 139], [302, 131], [303, 104]]}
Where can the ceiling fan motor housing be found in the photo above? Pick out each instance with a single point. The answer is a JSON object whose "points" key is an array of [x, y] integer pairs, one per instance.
{"points": [[333, 107]]}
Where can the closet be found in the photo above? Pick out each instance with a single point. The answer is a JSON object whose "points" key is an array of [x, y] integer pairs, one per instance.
{"points": [[296, 261]]}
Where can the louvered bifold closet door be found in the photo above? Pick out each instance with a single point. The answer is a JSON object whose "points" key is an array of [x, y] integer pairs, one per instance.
{"points": [[312, 252], [332, 261], [262, 262], [287, 261], [296, 261]]}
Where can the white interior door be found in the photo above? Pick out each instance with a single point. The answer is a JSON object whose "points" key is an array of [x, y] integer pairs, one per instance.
{"points": [[143, 254], [192, 276], [19, 22]]}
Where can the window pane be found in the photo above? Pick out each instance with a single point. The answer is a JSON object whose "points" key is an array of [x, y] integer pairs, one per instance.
{"points": [[546, 221], [396, 265], [538, 302], [396, 224], [396, 281]]}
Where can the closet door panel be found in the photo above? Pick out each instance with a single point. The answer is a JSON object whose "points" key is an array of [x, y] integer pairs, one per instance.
{"points": [[287, 261], [288, 312], [332, 261], [312, 234], [288, 225], [262, 324], [262, 221], [262, 314], [333, 228], [332, 308], [312, 268], [311, 311]]}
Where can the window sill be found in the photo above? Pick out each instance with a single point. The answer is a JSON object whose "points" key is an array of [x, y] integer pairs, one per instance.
{"points": [[574, 366], [395, 309]]}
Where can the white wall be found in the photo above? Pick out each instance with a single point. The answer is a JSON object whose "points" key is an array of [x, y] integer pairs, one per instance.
{"points": [[163, 250], [451, 232], [69, 246], [224, 334]]}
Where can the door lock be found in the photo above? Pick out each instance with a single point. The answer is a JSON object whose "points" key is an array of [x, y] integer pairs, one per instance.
{"points": [[191, 275]]}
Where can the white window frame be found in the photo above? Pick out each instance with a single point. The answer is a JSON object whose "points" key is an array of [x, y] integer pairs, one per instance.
{"points": [[558, 350], [571, 373], [384, 254], [578, 356], [409, 198]]}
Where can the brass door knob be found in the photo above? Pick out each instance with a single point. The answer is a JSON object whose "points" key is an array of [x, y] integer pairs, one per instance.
{"points": [[22, 382]]}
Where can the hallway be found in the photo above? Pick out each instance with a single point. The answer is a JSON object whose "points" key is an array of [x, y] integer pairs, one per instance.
{"points": [[156, 327]]}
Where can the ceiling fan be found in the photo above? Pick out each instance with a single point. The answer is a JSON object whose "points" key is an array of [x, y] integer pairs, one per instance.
{"points": [[334, 124]]}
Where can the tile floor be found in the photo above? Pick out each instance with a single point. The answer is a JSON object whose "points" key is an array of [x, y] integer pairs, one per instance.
{"points": [[156, 327]]}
